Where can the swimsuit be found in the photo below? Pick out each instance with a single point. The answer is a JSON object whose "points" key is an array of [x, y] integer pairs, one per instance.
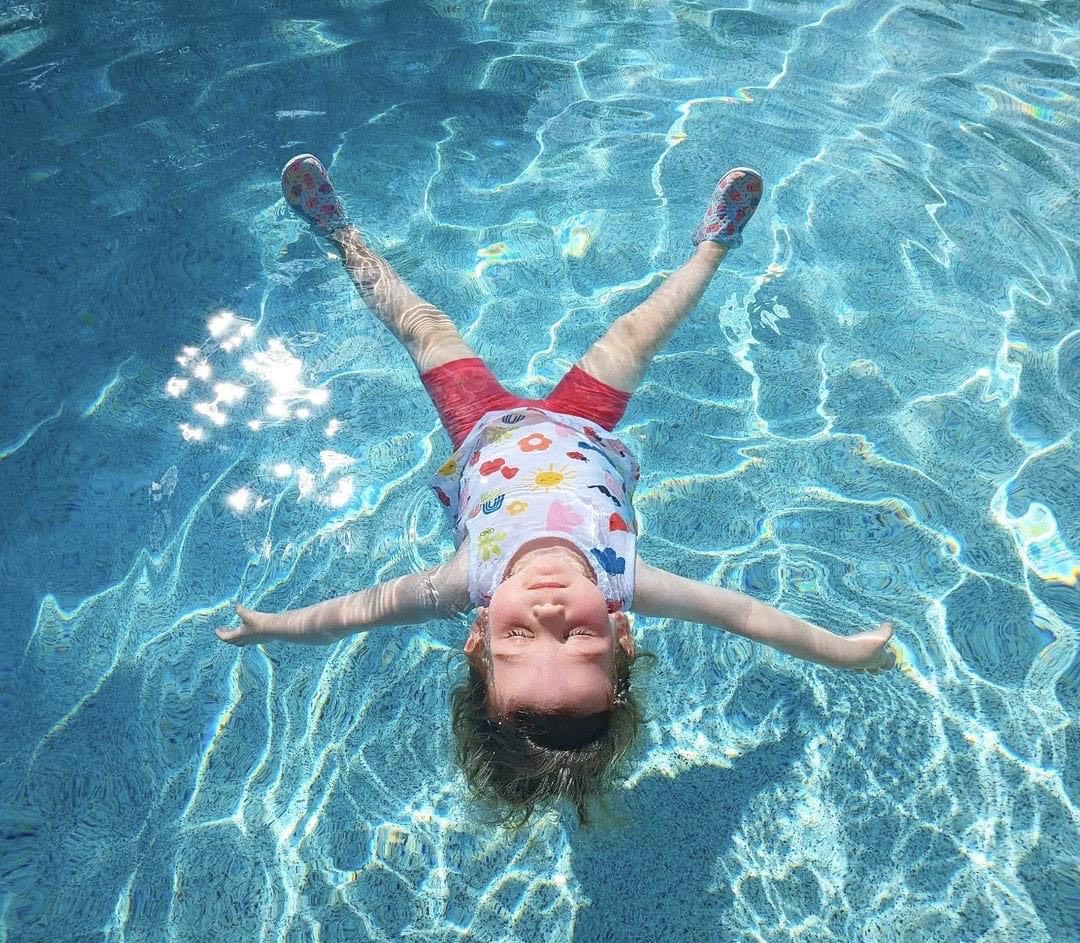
{"points": [[532, 472]]}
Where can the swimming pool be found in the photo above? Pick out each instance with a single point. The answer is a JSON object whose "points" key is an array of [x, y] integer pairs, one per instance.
{"points": [[872, 415]]}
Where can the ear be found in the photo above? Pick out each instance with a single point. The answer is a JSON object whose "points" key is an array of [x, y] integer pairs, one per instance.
{"points": [[475, 641], [621, 621]]}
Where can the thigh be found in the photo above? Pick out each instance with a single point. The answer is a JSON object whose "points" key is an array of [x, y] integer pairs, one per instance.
{"points": [[426, 332], [579, 393], [621, 357], [462, 391], [431, 338]]}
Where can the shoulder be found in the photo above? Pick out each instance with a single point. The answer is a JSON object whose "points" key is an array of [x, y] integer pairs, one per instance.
{"points": [[652, 586], [451, 581]]}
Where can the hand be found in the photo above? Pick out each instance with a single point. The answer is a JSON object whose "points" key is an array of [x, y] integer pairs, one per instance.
{"points": [[871, 652], [255, 627]]}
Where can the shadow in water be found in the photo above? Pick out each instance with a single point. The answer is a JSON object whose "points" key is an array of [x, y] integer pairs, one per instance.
{"points": [[654, 877]]}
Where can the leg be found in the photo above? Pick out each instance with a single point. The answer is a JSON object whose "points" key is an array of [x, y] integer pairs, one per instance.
{"points": [[459, 383], [427, 333], [621, 357]]}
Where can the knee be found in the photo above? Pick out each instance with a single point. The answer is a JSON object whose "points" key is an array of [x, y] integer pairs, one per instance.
{"points": [[425, 323], [631, 337]]}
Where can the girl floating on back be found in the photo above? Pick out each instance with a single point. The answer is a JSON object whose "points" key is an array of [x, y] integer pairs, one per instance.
{"points": [[539, 495]]}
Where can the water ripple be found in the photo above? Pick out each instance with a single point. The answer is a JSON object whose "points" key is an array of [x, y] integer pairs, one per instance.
{"points": [[871, 415]]}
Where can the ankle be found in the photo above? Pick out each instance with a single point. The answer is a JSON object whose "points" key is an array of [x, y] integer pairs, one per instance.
{"points": [[710, 252], [346, 236]]}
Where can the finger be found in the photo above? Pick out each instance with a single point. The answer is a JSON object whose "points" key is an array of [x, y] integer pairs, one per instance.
{"points": [[885, 660], [888, 658], [229, 635], [253, 618], [881, 634], [877, 655]]}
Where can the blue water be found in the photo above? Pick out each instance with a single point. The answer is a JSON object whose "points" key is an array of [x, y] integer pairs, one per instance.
{"points": [[871, 415]]}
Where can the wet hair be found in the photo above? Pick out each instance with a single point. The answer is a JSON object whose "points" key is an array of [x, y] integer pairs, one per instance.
{"points": [[515, 762]]}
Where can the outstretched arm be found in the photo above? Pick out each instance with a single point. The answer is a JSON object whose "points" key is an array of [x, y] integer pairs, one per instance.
{"points": [[659, 593], [417, 597]]}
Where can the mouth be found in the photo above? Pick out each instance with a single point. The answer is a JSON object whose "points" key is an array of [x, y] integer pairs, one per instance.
{"points": [[547, 586]]}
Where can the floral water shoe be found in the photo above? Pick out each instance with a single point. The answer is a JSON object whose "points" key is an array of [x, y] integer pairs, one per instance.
{"points": [[310, 193], [733, 203]]}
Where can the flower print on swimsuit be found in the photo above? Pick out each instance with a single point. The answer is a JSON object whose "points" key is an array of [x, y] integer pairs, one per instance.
{"points": [[534, 442], [448, 468], [609, 560], [489, 543], [517, 507]]}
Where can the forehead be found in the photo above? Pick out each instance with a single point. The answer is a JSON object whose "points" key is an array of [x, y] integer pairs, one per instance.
{"points": [[581, 686]]}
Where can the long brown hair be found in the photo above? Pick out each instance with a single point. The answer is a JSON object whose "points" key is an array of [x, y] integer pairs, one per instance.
{"points": [[513, 763]]}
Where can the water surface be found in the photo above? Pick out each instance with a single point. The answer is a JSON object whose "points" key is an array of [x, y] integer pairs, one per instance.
{"points": [[872, 415]]}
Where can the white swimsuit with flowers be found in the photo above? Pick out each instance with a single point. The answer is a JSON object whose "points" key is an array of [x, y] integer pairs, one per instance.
{"points": [[528, 473]]}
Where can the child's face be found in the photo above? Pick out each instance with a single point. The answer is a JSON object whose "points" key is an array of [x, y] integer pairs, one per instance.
{"points": [[551, 641]]}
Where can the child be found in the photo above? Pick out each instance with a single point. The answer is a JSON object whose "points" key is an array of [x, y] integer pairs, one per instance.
{"points": [[539, 494]]}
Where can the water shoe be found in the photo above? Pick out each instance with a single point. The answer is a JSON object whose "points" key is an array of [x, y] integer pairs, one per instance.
{"points": [[733, 203], [310, 193]]}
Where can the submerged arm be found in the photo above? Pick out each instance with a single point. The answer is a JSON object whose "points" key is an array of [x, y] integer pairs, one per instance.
{"points": [[438, 592], [664, 594]]}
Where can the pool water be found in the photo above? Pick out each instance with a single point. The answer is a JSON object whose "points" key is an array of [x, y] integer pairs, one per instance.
{"points": [[872, 415]]}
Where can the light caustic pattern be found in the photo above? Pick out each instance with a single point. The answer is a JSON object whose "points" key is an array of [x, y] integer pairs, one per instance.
{"points": [[871, 416]]}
